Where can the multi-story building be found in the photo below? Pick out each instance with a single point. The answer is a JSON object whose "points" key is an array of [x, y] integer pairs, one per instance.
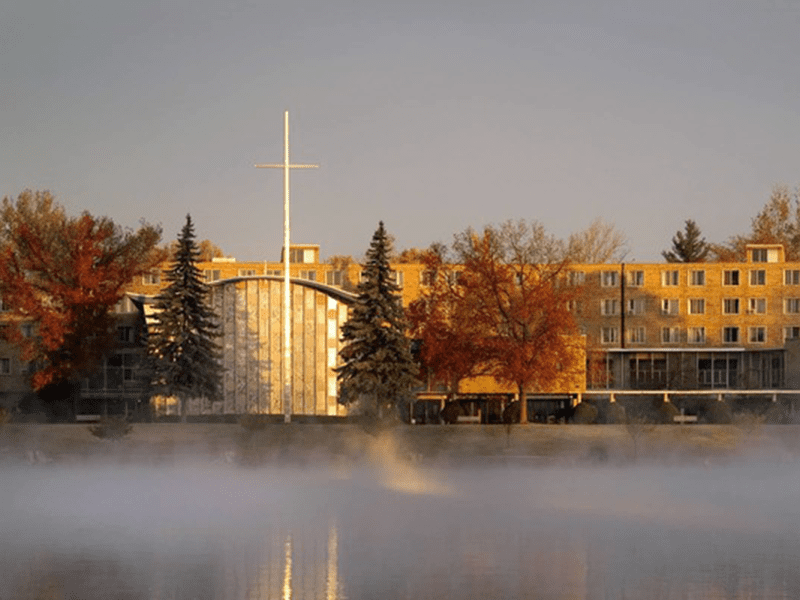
{"points": [[666, 326]]}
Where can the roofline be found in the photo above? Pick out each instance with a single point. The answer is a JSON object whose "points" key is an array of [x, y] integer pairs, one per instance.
{"points": [[334, 292]]}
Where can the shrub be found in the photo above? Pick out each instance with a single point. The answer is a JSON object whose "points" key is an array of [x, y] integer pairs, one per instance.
{"points": [[667, 413], [598, 453], [511, 413], [253, 422], [776, 415], [111, 428], [450, 413], [615, 414], [747, 421], [717, 413], [585, 414]]}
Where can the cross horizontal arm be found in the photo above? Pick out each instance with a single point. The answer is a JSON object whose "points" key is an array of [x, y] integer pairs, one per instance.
{"points": [[282, 166]]}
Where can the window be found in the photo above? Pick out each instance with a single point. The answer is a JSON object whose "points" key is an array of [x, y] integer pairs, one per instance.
{"points": [[697, 278], [125, 334], [152, 278], [120, 368], [636, 306], [730, 335], [211, 275], [609, 307], [758, 277], [648, 371], [730, 277], [575, 306], [757, 335], [577, 278], [454, 277], [791, 306], [791, 277], [247, 272], [791, 333], [669, 306], [636, 335], [670, 335], [609, 335], [334, 278], [670, 278], [730, 306], [26, 329], [3, 307], [757, 306], [758, 255], [697, 306], [721, 371], [397, 277], [308, 275], [5, 366], [697, 335], [427, 278], [275, 272], [301, 255], [609, 278], [635, 278]]}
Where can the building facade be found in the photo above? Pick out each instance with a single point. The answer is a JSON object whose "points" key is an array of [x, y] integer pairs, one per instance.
{"points": [[659, 326]]}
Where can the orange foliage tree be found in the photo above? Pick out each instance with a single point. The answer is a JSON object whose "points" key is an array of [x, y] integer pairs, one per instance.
{"points": [[507, 313], [441, 320], [63, 275]]}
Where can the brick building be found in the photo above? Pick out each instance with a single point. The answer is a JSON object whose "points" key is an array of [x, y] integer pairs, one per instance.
{"points": [[665, 326]]}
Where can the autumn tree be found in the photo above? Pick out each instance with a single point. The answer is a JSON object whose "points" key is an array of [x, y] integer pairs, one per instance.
{"points": [[778, 222], [441, 321], [411, 256], [377, 368], [63, 275], [184, 356], [688, 246], [516, 279], [207, 251], [341, 264], [601, 242]]}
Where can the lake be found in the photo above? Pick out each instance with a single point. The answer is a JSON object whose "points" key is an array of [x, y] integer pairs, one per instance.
{"points": [[400, 530]]}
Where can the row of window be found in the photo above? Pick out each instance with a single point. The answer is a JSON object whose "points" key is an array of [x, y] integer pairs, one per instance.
{"points": [[695, 277], [694, 306], [693, 335]]}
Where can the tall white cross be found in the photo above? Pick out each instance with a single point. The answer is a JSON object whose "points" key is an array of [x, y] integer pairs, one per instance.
{"points": [[287, 298]]}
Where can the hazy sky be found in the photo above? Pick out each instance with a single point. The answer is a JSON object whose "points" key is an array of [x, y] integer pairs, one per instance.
{"points": [[431, 116]]}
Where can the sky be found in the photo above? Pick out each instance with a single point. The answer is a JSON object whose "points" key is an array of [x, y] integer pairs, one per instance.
{"points": [[430, 116]]}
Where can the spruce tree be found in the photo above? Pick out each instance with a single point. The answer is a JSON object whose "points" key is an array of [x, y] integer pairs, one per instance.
{"points": [[687, 245], [183, 351], [378, 370]]}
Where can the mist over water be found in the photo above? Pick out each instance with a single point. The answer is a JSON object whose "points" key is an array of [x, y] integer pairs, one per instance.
{"points": [[399, 530]]}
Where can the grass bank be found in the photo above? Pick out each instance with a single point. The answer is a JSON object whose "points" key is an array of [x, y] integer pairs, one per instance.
{"points": [[470, 444]]}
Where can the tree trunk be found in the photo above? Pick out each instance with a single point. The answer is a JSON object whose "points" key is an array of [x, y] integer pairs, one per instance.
{"points": [[523, 405]]}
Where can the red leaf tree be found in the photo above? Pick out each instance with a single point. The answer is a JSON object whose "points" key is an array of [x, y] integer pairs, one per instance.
{"points": [[63, 275], [441, 320], [507, 313]]}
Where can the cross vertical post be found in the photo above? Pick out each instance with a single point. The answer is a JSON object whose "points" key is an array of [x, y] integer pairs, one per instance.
{"points": [[287, 298]]}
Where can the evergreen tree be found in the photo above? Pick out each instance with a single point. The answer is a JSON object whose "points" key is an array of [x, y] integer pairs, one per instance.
{"points": [[687, 245], [378, 369], [184, 354]]}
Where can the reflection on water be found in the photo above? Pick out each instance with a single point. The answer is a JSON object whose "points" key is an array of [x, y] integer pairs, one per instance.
{"points": [[185, 533]]}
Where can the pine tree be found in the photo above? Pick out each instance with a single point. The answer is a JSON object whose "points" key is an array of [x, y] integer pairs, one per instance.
{"points": [[184, 354], [687, 245], [378, 370]]}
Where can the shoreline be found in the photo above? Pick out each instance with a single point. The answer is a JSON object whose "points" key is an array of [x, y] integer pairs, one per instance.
{"points": [[477, 445]]}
